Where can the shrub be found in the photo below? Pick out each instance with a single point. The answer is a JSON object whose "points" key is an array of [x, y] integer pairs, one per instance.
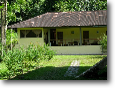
{"points": [[103, 41], [20, 60], [49, 53], [8, 41], [13, 60], [10, 35]]}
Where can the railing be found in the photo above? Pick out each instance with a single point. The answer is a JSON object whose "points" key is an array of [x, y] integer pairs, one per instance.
{"points": [[73, 42], [91, 41]]}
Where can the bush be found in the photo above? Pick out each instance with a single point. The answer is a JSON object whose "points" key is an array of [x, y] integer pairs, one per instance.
{"points": [[13, 60], [20, 60], [103, 41], [8, 41]]}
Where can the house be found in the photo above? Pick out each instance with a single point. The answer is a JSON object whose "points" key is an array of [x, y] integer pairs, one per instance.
{"points": [[65, 32]]}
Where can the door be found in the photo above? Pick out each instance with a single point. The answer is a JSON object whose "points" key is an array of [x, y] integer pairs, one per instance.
{"points": [[46, 39], [85, 37], [53, 37], [60, 38]]}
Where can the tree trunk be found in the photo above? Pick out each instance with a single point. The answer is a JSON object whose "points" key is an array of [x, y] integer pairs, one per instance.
{"points": [[3, 24], [93, 71]]}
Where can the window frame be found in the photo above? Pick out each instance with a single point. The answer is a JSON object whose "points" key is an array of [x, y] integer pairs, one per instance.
{"points": [[41, 29]]}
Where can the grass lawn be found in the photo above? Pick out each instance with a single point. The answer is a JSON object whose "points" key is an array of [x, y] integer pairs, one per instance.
{"points": [[55, 68]]}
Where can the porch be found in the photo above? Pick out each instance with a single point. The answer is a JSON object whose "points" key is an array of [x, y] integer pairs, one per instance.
{"points": [[76, 40], [73, 36], [65, 40], [73, 42]]}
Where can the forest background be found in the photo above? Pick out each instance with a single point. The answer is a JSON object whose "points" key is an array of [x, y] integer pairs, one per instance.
{"points": [[19, 10]]}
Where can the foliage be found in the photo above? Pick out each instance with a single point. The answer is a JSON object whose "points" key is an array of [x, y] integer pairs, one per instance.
{"points": [[57, 67], [18, 10], [20, 60], [9, 40], [0, 51], [24, 9], [11, 37], [1, 6], [103, 41], [81, 5]]}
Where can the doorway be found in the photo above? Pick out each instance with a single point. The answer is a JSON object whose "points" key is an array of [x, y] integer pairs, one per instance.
{"points": [[60, 38], [85, 37], [53, 37]]}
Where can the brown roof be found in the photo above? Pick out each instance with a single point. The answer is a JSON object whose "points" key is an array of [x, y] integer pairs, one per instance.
{"points": [[60, 19]]}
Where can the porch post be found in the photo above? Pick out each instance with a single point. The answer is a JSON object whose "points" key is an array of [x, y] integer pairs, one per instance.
{"points": [[49, 36], [80, 36]]}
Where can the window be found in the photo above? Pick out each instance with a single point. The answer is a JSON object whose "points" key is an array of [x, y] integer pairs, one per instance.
{"points": [[72, 32], [60, 35], [22, 33], [30, 33]]}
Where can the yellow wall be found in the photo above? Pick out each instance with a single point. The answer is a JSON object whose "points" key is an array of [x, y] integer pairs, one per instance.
{"points": [[26, 41], [67, 36], [93, 32], [76, 36], [86, 49]]}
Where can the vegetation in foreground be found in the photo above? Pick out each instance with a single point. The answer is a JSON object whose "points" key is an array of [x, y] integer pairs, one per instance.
{"points": [[13, 56], [55, 68], [20, 60]]}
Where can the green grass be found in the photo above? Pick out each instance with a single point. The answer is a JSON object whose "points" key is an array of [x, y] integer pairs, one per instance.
{"points": [[55, 68]]}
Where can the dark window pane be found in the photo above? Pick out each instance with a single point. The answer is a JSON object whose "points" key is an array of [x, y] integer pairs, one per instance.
{"points": [[60, 35], [40, 35], [22, 33], [31, 34]]}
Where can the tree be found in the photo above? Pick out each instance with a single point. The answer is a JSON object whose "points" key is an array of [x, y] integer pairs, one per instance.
{"points": [[3, 23], [80, 5], [24, 9], [19, 10]]}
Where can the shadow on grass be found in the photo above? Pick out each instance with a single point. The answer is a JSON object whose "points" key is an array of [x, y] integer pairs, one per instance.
{"points": [[99, 56], [55, 73]]}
